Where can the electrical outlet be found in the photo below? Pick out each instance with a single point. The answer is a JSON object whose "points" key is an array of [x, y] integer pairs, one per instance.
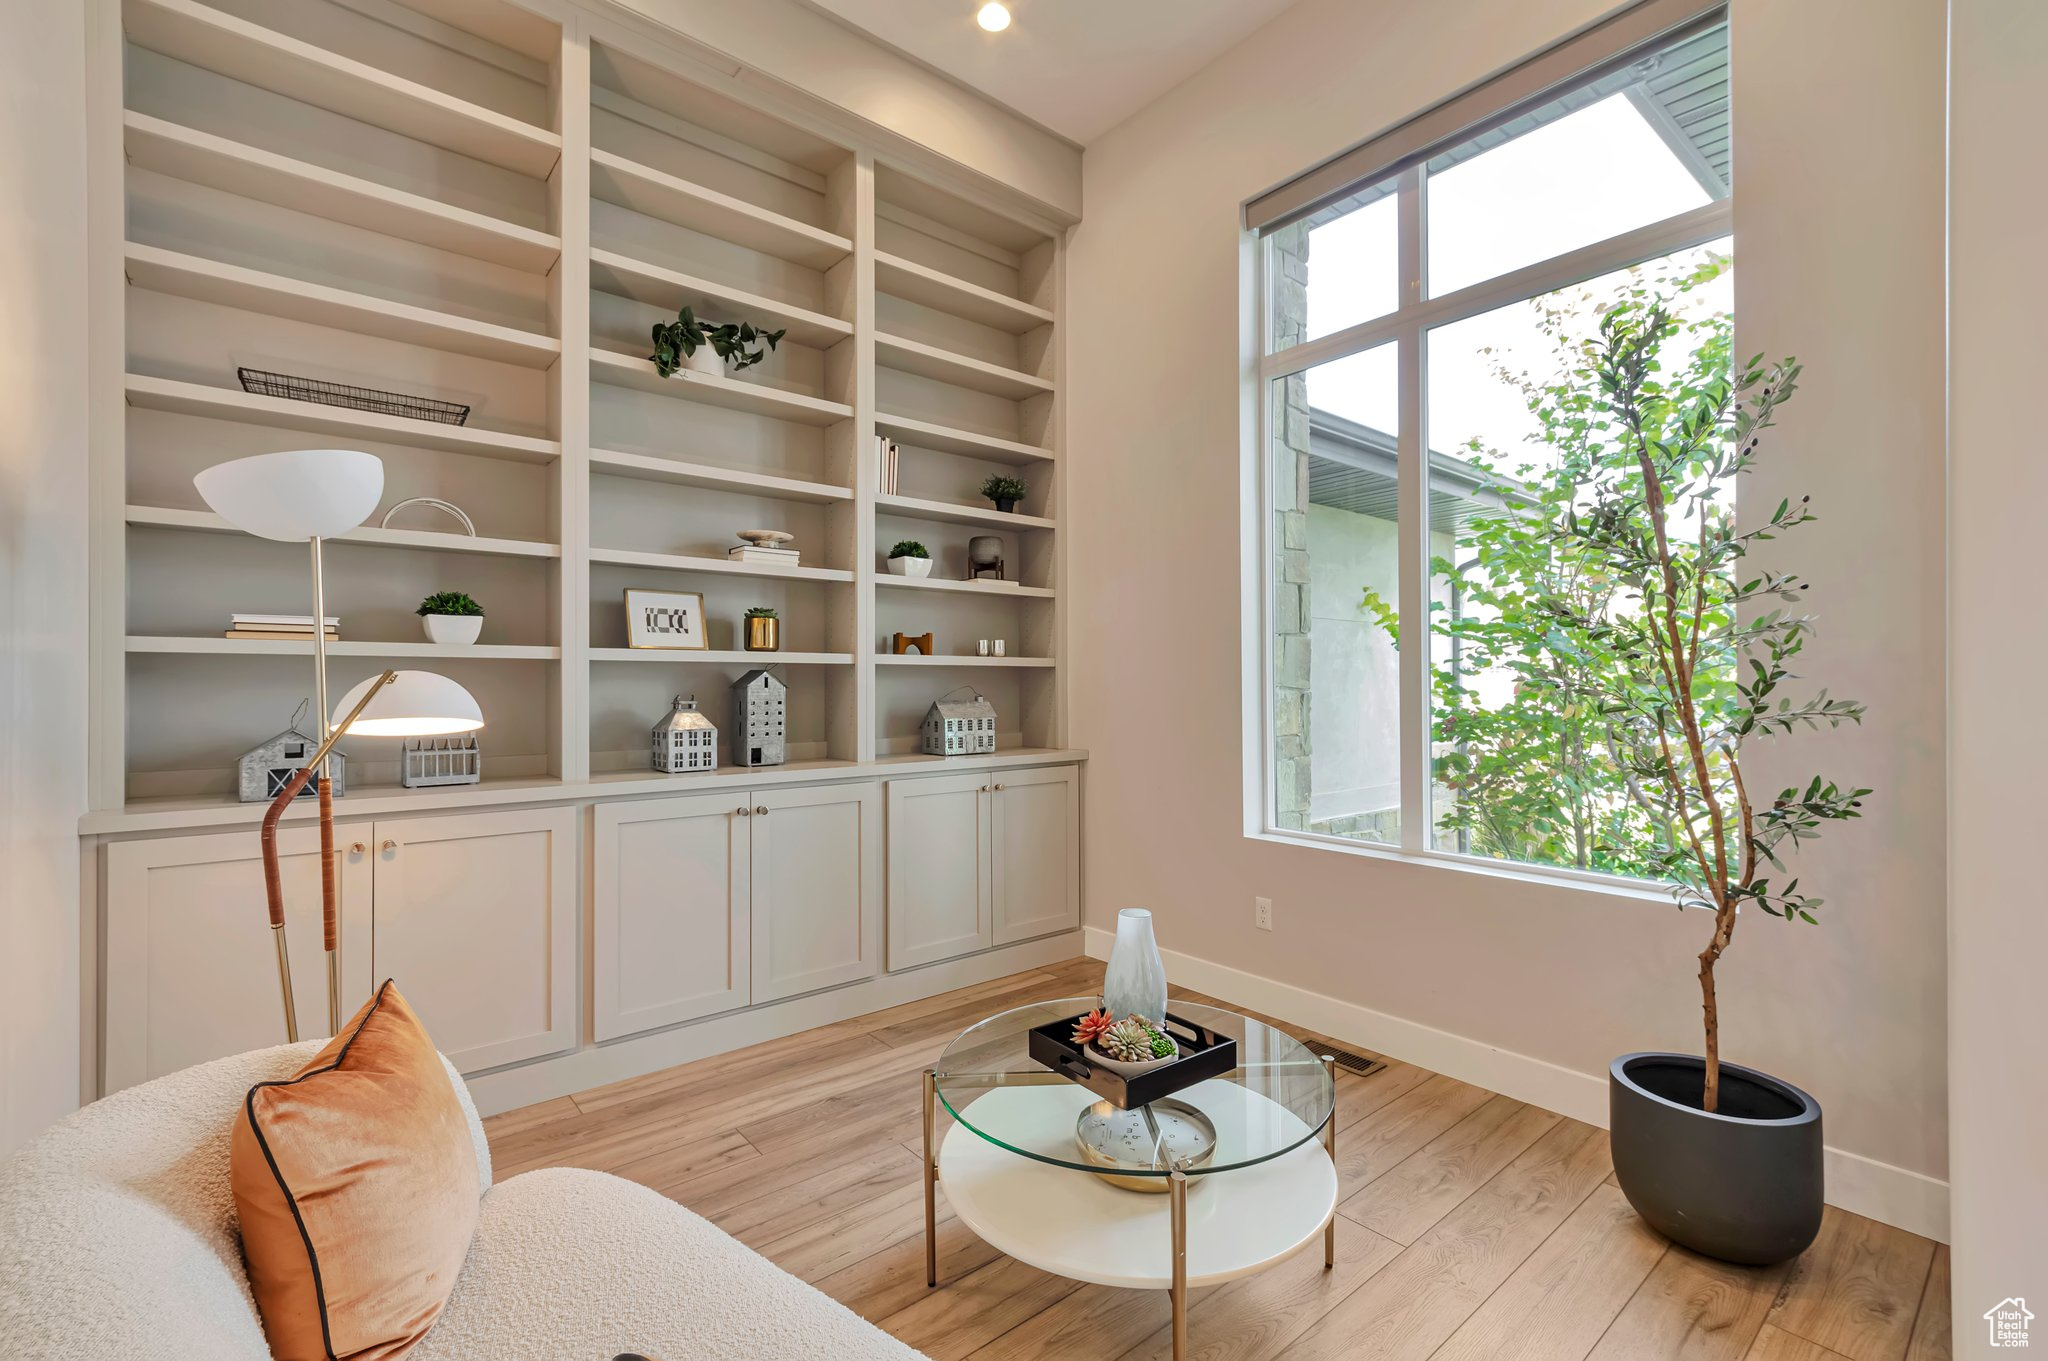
{"points": [[1262, 913]]}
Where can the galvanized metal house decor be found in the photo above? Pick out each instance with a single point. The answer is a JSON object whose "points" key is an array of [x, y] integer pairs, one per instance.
{"points": [[685, 741], [263, 771], [760, 712], [431, 761], [960, 727]]}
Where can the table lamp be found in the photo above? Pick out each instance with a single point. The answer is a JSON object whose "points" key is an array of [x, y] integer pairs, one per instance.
{"points": [[305, 496]]}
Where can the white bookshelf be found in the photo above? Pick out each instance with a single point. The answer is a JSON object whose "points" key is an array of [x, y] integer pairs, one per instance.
{"points": [[489, 203]]}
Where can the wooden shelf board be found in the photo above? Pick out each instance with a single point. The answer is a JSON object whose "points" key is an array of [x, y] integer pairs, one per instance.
{"points": [[677, 562], [291, 647], [729, 657], [911, 659], [611, 272], [650, 468], [206, 522], [202, 158], [217, 41], [951, 440], [999, 589], [191, 276], [627, 183], [232, 404], [953, 513], [625, 370], [935, 289], [929, 361]]}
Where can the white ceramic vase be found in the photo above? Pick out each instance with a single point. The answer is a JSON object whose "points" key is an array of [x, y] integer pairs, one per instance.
{"points": [[910, 567], [704, 359], [1135, 982], [453, 628]]}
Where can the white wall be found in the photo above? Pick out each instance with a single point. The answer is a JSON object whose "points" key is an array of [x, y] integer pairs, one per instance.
{"points": [[1839, 239], [1998, 649], [42, 557]]}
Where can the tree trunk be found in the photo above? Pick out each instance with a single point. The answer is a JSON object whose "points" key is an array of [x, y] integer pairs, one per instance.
{"points": [[1710, 1096]]}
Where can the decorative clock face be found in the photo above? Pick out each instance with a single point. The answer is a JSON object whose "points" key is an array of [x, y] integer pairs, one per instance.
{"points": [[1176, 1135]]}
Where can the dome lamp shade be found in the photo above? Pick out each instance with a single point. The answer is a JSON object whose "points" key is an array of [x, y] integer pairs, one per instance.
{"points": [[295, 495], [411, 704]]}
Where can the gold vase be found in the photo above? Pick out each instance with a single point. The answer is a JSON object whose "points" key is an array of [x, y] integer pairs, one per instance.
{"points": [[764, 634]]}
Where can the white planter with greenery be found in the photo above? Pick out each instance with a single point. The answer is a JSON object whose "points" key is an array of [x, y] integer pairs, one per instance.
{"points": [[451, 618], [909, 559]]}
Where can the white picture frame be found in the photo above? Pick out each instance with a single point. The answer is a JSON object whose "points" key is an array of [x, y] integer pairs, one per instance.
{"points": [[668, 621]]}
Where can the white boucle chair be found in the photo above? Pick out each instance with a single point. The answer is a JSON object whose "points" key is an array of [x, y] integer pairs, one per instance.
{"points": [[118, 1240]]}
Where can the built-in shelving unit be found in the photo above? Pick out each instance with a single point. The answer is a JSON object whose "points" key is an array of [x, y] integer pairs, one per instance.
{"points": [[490, 203]]}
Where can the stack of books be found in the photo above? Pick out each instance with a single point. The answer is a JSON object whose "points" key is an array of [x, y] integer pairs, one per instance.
{"points": [[279, 626], [886, 454], [747, 552]]}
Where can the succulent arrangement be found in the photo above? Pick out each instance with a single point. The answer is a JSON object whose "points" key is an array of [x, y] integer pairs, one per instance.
{"points": [[909, 548], [457, 603], [739, 344], [761, 612], [1131, 1040]]}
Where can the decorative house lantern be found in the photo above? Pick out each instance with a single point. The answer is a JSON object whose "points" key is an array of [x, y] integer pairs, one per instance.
{"points": [[264, 771], [685, 741], [960, 727], [760, 709]]}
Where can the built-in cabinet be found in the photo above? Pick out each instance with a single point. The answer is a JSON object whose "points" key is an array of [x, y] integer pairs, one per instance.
{"points": [[981, 860]]}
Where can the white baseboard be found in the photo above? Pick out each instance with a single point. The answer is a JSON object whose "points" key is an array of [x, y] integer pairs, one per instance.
{"points": [[594, 1065], [1892, 1195]]}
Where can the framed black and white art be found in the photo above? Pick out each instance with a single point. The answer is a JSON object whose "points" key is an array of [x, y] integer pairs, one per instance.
{"points": [[666, 619]]}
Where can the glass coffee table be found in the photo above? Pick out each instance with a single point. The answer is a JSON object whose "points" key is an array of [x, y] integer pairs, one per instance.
{"points": [[1052, 1175]]}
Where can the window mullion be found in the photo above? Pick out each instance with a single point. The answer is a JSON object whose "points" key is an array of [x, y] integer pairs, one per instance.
{"points": [[1412, 500]]}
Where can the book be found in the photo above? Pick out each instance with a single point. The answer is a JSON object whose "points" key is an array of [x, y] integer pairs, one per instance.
{"points": [[280, 621], [753, 552], [333, 635]]}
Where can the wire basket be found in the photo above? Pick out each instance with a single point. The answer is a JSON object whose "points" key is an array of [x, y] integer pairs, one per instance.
{"points": [[266, 384]]}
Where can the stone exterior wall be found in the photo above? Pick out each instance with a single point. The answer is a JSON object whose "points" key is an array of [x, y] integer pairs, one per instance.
{"points": [[1291, 775]]}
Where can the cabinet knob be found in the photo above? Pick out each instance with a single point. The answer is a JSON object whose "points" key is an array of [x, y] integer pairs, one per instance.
{"points": [[389, 846], [358, 848], [744, 811], [982, 790], [762, 809], [999, 789]]}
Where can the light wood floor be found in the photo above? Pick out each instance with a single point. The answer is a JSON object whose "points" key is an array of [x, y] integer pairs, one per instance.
{"points": [[1473, 1226]]}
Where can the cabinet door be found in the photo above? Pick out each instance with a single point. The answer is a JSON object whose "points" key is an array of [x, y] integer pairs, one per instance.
{"points": [[939, 872], [475, 916], [669, 918], [1035, 836], [192, 961], [817, 888]]}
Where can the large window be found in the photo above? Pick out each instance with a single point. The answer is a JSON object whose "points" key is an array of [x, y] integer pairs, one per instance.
{"points": [[1430, 413]]}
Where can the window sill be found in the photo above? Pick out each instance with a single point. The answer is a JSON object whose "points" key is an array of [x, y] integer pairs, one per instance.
{"points": [[1545, 876]]}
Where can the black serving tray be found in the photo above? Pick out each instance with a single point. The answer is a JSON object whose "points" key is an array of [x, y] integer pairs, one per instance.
{"points": [[1204, 1053]]}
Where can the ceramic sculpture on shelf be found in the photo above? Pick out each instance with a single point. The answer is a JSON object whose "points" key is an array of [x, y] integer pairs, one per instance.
{"points": [[1134, 984]]}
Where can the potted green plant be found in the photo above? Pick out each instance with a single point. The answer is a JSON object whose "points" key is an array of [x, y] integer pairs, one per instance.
{"points": [[909, 559], [1686, 665], [709, 347], [1006, 492], [764, 630], [451, 617]]}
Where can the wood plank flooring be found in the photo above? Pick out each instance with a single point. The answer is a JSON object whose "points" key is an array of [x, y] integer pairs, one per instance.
{"points": [[1473, 1226]]}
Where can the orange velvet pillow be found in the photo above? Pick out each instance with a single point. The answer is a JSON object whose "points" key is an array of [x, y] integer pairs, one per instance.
{"points": [[357, 1187]]}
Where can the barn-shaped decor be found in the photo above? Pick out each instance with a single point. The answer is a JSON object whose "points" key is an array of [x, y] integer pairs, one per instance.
{"points": [[264, 771], [760, 716], [685, 741], [960, 727]]}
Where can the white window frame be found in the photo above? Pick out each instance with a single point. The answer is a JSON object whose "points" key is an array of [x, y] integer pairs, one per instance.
{"points": [[1414, 316]]}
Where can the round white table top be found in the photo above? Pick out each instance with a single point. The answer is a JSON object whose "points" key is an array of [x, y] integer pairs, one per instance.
{"points": [[1077, 1225]]}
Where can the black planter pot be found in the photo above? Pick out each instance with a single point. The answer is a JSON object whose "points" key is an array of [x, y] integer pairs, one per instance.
{"points": [[1007, 507], [1743, 1184]]}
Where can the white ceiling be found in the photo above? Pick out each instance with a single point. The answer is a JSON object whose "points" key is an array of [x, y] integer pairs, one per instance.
{"points": [[1079, 67]]}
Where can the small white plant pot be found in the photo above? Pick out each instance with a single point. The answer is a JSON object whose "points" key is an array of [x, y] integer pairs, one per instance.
{"points": [[453, 628], [910, 567], [705, 360]]}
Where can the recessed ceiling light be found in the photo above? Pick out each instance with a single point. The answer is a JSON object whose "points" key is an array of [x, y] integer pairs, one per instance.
{"points": [[994, 16]]}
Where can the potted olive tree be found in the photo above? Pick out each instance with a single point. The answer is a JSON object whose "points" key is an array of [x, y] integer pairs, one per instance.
{"points": [[1692, 655]]}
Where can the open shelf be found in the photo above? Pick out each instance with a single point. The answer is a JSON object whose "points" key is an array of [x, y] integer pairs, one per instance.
{"points": [[671, 290], [643, 189], [625, 370], [232, 404], [206, 522], [278, 295], [649, 468], [906, 278], [929, 361], [985, 586], [950, 513], [231, 46], [677, 562], [911, 659], [292, 647], [202, 158], [725, 657], [952, 440]]}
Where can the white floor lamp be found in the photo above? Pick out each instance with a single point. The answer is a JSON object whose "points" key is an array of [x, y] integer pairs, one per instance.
{"points": [[305, 496]]}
